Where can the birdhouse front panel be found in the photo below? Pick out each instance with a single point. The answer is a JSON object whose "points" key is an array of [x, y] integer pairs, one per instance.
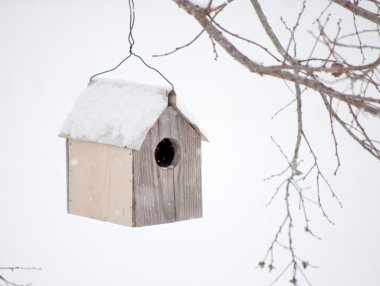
{"points": [[167, 172]]}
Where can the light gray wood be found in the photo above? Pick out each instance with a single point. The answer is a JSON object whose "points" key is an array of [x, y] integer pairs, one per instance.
{"points": [[170, 194], [100, 181], [165, 175], [194, 126], [153, 186], [187, 174], [145, 183], [67, 175]]}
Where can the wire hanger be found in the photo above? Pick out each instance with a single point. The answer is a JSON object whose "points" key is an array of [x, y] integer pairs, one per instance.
{"points": [[131, 41]]}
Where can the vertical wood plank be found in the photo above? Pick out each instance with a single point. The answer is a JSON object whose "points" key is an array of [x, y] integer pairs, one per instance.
{"points": [[166, 175], [153, 186], [165, 195], [187, 174], [67, 175], [100, 181], [145, 182]]}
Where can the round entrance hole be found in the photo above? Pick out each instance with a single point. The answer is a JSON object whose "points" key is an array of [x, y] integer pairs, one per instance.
{"points": [[167, 153]]}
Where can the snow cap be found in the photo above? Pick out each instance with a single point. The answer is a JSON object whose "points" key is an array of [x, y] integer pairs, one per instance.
{"points": [[116, 112]]}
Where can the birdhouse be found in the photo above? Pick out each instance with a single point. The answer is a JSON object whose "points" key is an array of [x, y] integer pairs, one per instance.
{"points": [[133, 158]]}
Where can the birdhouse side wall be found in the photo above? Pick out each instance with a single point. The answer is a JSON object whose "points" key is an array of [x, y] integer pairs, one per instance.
{"points": [[169, 194], [100, 181]]}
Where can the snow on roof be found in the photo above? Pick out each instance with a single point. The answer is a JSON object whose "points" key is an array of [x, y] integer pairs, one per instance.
{"points": [[116, 112]]}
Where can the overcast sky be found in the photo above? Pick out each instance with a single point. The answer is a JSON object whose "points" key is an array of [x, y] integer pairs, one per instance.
{"points": [[48, 51]]}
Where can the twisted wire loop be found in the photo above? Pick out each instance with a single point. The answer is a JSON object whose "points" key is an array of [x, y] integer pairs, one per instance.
{"points": [[131, 41]]}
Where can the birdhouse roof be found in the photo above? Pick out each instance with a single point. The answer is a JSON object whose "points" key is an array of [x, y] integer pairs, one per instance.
{"points": [[118, 113]]}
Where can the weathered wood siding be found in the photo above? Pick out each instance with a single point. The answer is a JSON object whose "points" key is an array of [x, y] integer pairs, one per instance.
{"points": [[100, 181], [187, 174], [164, 195]]}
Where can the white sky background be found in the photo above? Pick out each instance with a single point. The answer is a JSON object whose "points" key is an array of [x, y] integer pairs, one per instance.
{"points": [[48, 51]]}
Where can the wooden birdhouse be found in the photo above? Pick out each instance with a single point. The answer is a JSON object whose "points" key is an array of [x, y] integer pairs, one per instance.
{"points": [[133, 158]]}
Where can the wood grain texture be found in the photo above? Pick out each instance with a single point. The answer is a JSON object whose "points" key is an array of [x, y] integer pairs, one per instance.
{"points": [[153, 186], [195, 127], [187, 174], [165, 195], [145, 183], [100, 181], [67, 175], [165, 175]]}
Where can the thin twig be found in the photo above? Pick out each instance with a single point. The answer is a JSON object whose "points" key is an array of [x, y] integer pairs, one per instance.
{"points": [[180, 47]]}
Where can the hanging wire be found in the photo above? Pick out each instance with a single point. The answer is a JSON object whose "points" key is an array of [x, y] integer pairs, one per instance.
{"points": [[131, 41]]}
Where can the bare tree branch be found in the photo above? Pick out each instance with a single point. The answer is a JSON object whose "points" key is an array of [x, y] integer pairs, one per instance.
{"points": [[180, 47], [276, 71], [268, 29], [6, 282], [326, 71], [354, 8]]}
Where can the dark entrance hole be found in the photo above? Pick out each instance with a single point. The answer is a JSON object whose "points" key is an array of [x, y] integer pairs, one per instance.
{"points": [[165, 153]]}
